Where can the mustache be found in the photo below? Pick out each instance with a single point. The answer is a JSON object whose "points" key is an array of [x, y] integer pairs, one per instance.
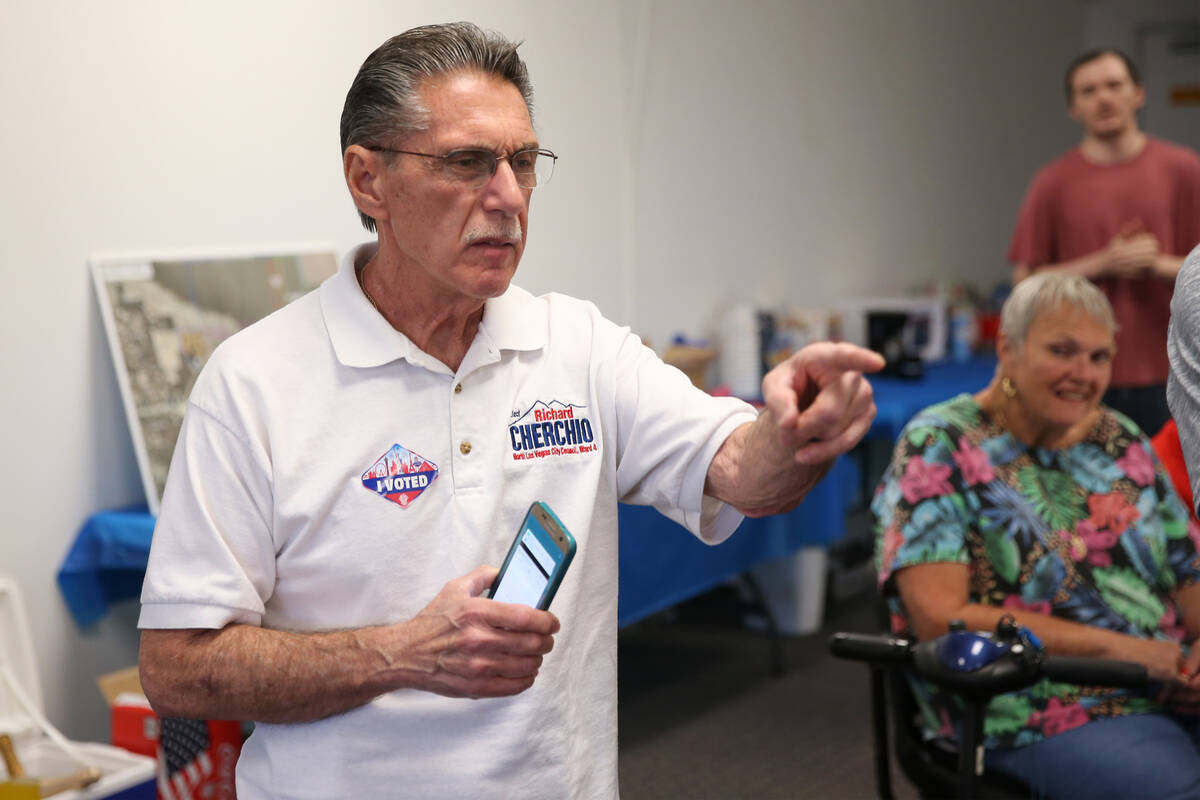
{"points": [[510, 230]]}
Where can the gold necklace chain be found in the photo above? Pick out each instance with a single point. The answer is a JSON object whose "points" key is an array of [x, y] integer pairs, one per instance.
{"points": [[362, 284]]}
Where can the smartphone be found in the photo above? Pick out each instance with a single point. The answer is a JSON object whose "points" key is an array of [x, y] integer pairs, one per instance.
{"points": [[537, 560]]}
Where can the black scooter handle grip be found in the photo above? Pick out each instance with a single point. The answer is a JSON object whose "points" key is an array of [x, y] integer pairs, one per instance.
{"points": [[1095, 671], [870, 647]]}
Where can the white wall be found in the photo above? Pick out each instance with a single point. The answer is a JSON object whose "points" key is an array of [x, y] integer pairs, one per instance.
{"points": [[857, 147], [1116, 23], [782, 150], [133, 126]]}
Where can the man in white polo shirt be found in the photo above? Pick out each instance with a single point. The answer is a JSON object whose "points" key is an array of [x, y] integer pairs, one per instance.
{"points": [[350, 465]]}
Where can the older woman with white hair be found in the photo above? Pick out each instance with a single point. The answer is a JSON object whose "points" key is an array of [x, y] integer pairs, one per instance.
{"points": [[1032, 499]]}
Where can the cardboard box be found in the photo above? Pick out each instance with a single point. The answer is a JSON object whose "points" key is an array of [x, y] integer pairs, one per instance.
{"points": [[134, 724]]}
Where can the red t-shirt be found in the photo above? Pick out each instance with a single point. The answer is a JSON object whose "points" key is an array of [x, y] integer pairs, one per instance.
{"points": [[1074, 207]]}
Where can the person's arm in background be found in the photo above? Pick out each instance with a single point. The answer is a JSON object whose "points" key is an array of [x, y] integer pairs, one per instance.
{"points": [[818, 406], [1167, 266], [1128, 254], [923, 517], [1188, 601], [1183, 351], [935, 594]]}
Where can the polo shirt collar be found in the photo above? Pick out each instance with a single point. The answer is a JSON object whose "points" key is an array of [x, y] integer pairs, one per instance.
{"points": [[516, 320], [361, 337]]}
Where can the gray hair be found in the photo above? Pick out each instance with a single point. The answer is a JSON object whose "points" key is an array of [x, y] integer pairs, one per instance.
{"points": [[383, 101], [1047, 290]]}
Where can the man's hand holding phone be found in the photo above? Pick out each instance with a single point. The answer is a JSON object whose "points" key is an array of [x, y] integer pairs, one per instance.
{"points": [[467, 645], [471, 646]]}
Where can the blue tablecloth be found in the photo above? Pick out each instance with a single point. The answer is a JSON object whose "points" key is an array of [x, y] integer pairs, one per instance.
{"points": [[660, 562], [897, 400], [106, 562]]}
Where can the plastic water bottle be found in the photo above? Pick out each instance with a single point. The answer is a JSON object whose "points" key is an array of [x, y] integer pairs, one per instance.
{"points": [[962, 333]]}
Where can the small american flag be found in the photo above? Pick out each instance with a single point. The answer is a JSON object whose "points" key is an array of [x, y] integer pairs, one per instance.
{"points": [[184, 762]]}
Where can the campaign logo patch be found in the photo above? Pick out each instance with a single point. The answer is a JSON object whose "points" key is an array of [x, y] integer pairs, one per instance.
{"points": [[551, 429], [400, 475]]}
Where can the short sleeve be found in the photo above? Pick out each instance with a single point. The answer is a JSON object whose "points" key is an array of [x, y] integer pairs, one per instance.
{"points": [[921, 515], [1032, 240], [667, 434], [212, 559]]}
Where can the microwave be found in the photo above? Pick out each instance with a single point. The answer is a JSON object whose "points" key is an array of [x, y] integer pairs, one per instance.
{"points": [[898, 328]]}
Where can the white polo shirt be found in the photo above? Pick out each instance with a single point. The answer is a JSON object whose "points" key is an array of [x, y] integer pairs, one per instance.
{"points": [[331, 475]]}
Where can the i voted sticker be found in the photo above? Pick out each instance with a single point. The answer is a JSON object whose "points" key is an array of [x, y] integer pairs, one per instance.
{"points": [[400, 475]]}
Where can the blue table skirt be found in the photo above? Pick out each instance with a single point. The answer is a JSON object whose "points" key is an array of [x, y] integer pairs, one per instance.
{"points": [[661, 563]]}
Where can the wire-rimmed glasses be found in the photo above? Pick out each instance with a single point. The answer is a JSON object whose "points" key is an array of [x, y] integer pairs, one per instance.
{"points": [[474, 167]]}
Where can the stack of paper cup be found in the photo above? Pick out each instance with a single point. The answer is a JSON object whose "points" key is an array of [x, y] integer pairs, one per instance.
{"points": [[739, 363]]}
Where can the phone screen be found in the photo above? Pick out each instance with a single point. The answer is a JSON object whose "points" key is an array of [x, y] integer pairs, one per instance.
{"points": [[530, 567]]}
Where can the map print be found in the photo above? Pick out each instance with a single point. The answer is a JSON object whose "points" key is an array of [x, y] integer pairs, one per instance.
{"points": [[164, 318]]}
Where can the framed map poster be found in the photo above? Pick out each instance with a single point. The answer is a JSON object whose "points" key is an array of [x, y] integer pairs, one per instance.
{"points": [[164, 316]]}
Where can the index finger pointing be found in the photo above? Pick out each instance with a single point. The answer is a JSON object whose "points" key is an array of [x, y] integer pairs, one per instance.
{"points": [[843, 357]]}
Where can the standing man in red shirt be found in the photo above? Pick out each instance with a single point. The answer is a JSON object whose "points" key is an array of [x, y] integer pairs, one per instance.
{"points": [[1123, 209]]}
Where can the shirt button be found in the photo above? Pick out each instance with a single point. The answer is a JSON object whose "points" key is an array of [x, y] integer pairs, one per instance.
{"points": [[464, 448], [457, 388]]}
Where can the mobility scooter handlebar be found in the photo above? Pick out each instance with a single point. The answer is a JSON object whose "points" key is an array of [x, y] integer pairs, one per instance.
{"points": [[978, 666]]}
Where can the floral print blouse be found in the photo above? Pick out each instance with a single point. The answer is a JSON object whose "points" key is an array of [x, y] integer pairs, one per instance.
{"points": [[1093, 533]]}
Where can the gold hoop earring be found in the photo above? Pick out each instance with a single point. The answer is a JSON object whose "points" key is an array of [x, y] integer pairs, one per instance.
{"points": [[1006, 386]]}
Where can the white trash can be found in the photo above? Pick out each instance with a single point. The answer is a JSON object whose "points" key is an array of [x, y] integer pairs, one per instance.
{"points": [[793, 588]]}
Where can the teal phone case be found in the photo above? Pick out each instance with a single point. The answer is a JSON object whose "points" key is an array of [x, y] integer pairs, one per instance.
{"points": [[560, 567]]}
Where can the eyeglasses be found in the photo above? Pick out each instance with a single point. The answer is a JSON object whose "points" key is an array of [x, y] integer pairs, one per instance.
{"points": [[474, 167]]}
